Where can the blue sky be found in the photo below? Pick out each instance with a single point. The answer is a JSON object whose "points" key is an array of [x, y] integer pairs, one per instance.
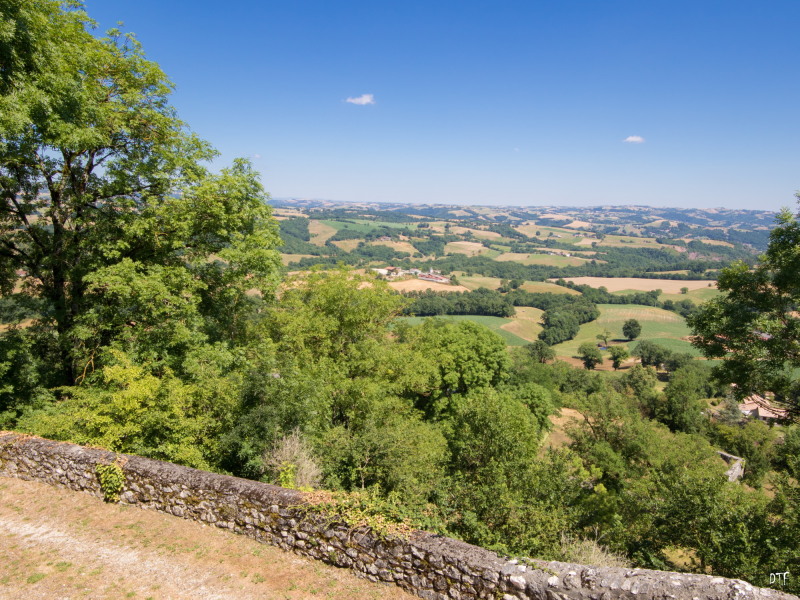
{"points": [[478, 102]]}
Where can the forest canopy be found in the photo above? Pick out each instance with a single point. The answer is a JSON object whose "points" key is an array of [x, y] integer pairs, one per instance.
{"points": [[112, 229]]}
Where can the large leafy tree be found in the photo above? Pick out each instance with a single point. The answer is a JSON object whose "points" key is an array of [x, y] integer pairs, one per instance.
{"points": [[108, 217], [754, 327]]}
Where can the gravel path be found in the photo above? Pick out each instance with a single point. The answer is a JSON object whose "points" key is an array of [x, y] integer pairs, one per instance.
{"points": [[58, 544]]}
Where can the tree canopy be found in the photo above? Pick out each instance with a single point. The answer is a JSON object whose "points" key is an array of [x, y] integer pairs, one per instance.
{"points": [[754, 327], [110, 224], [631, 329]]}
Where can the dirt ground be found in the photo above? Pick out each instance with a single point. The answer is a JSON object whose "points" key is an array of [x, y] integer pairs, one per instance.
{"points": [[59, 544], [418, 285]]}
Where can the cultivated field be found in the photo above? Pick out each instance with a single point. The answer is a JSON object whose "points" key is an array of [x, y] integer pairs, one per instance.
{"points": [[551, 260], [615, 284], [346, 245], [287, 213], [473, 282], [468, 248], [710, 242], [698, 296], [628, 241], [399, 246], [320, 232], [290, 258], [569, 236], [478, 233], [525, 323], [547, 287], [419, 285], [59, 544]]}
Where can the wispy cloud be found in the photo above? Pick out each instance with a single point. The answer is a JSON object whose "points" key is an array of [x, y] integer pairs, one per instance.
{"points": [[362, 100], [256, 156], [634, 139]]}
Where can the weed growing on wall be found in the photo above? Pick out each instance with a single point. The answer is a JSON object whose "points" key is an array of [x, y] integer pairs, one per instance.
{"points": [[112, 480]]}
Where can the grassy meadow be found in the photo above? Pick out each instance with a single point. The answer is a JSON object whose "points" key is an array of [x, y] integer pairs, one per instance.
{"points": [[661, 326], [550, 260]]}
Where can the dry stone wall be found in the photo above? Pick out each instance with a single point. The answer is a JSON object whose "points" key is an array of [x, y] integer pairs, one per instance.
{"points": [[431, 566]]}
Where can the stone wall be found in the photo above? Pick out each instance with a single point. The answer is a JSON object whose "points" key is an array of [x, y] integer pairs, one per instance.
{"points": [[735, 465], [428, 565]]}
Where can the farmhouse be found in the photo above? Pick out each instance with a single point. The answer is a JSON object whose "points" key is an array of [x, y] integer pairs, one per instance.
{"points": [[760, 408]]}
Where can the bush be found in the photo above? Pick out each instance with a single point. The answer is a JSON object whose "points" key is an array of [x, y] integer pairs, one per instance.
{"points": [[291, 464]]}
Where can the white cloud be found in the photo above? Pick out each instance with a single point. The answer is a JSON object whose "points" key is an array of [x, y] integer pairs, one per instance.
{"points": [[256, 156], [362, 100], [634, 139]]}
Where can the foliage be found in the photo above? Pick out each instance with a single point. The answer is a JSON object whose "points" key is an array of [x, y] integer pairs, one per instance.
{"points": [[125, 408], [590, 355], [754, 441], [651, 354], [295, 236], [460, 357], [292, 463], [684, 409], [540, 351], [618, 355], [479, 302], [112, 480], [118, 231], [151, 287], [631, 329], [754, 327], [367, 509]]}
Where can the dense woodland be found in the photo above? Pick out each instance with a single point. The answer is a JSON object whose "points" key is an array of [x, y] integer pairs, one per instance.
{"points": [[145, 310]]}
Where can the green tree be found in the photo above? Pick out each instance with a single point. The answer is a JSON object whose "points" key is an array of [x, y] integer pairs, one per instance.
{"points": [[754, 441], [754, 325], [131, 410], [603, 336], [683, 409], [107, 210], [631, 329], [651, 354], [459, 357], [618, 355], [540, 351], [590, 355], [502, 494]]}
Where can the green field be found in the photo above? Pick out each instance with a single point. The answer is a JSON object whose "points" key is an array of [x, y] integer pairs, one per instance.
{"points": [[550, 260], [672, 344], [697, 296], [546, 287], [493, 323], [473, 282], [627, 241], [568, 236], [661, 326], [365, 226], [390, 224]]}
